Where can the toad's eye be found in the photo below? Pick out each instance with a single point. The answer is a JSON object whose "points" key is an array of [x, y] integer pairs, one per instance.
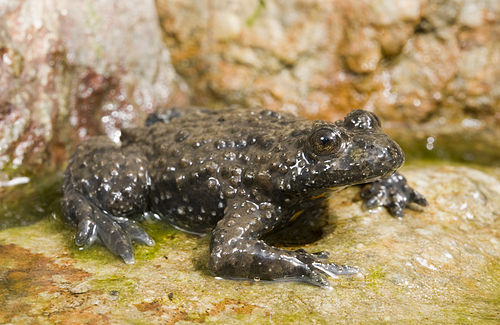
{"points": [[326, 141]]}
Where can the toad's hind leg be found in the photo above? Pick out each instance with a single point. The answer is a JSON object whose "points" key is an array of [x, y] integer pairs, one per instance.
{"points": [[238, 251], [103, 186]]}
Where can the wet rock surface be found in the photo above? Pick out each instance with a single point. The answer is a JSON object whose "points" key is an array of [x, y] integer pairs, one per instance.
{"points": [[430, 68], [436, 265], [73, 69]]}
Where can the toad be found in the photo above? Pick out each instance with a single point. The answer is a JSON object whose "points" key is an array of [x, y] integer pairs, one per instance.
{"points": [[250, 178]]}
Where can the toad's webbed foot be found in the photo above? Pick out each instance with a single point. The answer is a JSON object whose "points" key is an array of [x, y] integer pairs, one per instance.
{"points": [[254, 259], [116, 233], [393, 193], [319, 271]]}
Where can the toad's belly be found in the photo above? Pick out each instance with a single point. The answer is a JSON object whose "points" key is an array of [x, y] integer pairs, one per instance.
{"points": [[192, 207]]}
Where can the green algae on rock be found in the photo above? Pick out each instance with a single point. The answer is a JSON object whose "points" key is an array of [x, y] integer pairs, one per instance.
{"points": [[437, 265]]}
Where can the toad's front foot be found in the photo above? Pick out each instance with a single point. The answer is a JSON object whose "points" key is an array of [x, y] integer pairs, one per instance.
{"points": [[393, 193]]}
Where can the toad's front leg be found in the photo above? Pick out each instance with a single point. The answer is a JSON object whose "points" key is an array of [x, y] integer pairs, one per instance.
{"points": [[237, 250]]}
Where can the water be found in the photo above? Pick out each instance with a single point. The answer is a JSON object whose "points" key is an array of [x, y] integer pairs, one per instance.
{"points": [[28, 202]]}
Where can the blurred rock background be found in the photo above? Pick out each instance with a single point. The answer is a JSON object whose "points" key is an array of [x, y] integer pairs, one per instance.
{"points": [[70, 69]]}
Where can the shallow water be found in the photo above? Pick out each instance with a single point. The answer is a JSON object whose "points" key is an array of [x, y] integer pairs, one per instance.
{"points": [[27, 203]]}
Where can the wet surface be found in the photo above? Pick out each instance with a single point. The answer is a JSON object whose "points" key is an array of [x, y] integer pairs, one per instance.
{"points": [[78, 71], [26, 200], [438, 265]]}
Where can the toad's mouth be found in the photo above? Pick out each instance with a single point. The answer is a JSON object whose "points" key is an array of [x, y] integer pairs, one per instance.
{"points": [[364, 181], [337, 188]]}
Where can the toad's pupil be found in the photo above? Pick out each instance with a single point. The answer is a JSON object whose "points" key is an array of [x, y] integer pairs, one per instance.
{"points": [[325, 140]]}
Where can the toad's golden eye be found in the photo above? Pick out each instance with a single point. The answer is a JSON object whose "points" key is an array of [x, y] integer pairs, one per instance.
{"points": [[326, 141]]}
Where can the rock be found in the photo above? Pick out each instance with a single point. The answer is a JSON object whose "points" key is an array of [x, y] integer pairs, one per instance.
{"points": [[226, 26], [440, 264], [472, 14], [429, 69], [362, 52], [388, 12], [80, 288], [81, 70], [415, 63], [69, 70], [436, 63]]}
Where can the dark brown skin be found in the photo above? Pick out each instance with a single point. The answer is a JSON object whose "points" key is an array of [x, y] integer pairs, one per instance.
{"points": [[251, 177]]}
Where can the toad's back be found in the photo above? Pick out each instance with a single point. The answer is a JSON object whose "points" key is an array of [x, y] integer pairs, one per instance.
{"points": [[201, 159]]}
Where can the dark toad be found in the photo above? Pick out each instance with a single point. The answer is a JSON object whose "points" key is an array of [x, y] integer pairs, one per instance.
{"points": [[248, 177]]}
